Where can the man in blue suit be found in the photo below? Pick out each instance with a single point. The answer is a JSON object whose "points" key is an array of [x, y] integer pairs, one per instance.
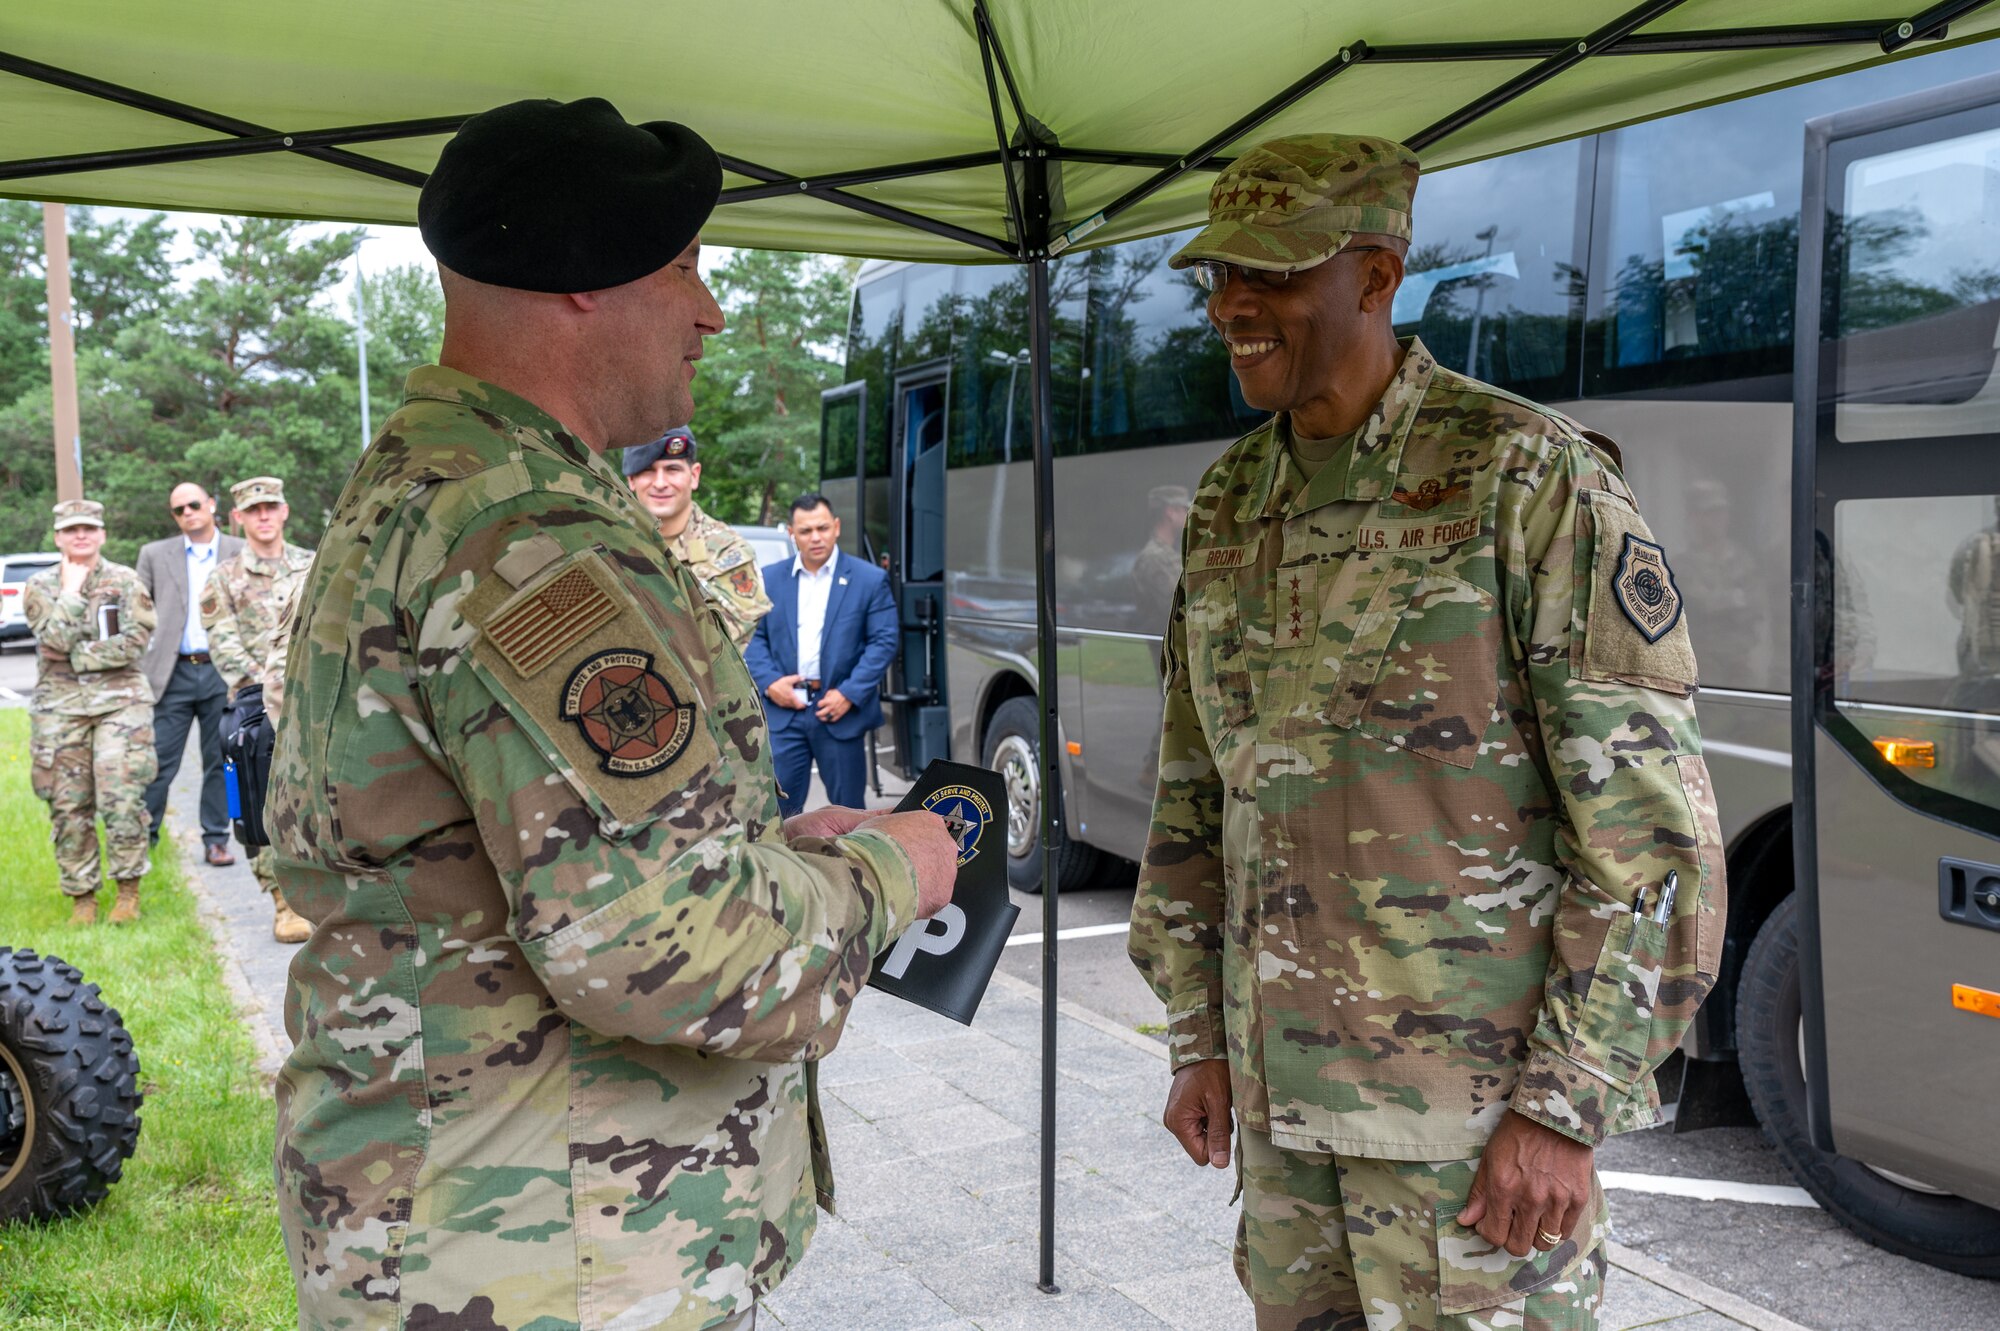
{"points": [[819, 656]]}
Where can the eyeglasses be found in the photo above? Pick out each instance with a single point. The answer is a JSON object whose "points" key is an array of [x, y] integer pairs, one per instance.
{"points": [[189, 507], [1211, 275]]}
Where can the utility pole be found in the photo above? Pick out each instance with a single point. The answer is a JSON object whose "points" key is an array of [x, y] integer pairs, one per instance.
{"points": [[361, 341], [62, 353], [1479, 304]]}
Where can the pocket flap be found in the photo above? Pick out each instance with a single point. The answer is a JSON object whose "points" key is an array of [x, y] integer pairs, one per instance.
{"points": [[1474, 1274]]}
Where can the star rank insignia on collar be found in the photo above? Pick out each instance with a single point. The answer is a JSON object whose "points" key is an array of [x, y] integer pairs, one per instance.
{"points": [[627, 712]]}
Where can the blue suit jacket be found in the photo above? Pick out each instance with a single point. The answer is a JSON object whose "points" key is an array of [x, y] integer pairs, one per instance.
{"points": [[856, 645]]}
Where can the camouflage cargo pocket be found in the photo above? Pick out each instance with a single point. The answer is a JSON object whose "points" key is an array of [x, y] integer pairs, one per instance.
{"points": [[41, 755], [1474, 1276], [1618, 1010], [1223, 692], [1421, 671]]}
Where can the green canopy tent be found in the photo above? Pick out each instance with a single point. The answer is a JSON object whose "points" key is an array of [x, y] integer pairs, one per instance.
{"points": [[952, 130]]}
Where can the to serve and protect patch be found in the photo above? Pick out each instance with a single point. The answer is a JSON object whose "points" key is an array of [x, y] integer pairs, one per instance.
{"points": [[1645, 587], [966, 814], [627, 712], [594, 680]]}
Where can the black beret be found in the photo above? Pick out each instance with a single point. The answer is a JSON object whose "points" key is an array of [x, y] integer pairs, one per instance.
{"points": [[674, 445], [566, 196]]}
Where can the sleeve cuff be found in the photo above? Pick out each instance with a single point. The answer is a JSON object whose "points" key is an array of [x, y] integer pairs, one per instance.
{"points": [[1195, 1032], [895, 878], [1561, 1094]]}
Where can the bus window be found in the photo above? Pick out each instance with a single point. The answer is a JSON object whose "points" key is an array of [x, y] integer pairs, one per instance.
{"points": [[871, 354], [990, 360], [1694, 248], [1494, 277], [1153, 370], [1918, 293]]}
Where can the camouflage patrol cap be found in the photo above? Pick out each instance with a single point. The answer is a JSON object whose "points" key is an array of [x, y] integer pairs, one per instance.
{"points": [[1168, 496], [79, 513], [258, 490], [1293, 202]]}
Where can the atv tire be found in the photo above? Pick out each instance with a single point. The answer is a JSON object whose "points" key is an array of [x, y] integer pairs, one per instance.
{"points": [[69, 1089]]}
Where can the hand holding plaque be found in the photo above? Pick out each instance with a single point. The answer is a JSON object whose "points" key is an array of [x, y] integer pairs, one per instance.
{"points": [[944, 963]]}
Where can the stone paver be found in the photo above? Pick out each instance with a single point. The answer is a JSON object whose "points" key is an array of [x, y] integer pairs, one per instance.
{"points": [[934, 1130]]}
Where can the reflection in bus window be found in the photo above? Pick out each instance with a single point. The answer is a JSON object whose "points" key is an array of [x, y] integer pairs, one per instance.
{"points": [[1916, 635], [1916, 250], [1694, 251], [1493, 282], [1154, 371]]}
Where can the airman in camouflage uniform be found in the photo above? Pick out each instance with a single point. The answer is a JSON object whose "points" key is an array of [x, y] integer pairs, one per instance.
{"points": [[1429, 760], [91, 716], [555, 1024], [664, 475], [245, 600]]}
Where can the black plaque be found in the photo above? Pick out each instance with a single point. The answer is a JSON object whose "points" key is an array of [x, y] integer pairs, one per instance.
{"points": [[944, 963]]}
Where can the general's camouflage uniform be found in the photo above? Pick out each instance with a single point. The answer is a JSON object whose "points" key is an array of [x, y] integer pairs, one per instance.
{"points": [[92, 722], [553, 1024], [1428, 732], [241, 607], [726, 567]]}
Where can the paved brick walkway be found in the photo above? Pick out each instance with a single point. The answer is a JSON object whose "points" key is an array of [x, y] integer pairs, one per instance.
{"points": [[933, 1128]]}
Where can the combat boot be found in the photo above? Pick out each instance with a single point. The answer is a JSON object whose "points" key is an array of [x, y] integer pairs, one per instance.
{"points": [[288, 926], [83, 909], [126, 908]]}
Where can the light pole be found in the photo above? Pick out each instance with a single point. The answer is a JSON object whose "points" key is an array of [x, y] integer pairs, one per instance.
{"points": [[998, 503], [1479, 303]]}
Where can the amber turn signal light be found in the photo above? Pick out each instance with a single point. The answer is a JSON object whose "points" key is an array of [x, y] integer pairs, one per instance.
{"points": [[1907, 752], [1983, 1001]]}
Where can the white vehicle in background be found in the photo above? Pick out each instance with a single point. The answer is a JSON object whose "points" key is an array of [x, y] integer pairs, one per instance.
{"points": [[769, 544], [15, 570]]}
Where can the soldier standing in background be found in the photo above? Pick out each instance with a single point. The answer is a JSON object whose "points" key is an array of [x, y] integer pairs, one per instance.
{"points": [[1157, 569], [555, 1026], [1434, 879], [92, 712], [664, 475], [244, 601]]}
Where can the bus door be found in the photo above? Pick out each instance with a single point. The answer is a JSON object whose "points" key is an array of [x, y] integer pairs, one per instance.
{"points": [[1896, 643], [843, 434], [920, 723]]}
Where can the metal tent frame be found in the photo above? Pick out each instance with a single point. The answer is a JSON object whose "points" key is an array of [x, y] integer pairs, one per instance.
{"points": [[1025, 156]]}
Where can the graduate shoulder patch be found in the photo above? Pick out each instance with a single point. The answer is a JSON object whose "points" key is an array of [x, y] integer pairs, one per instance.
{"points": [[1645, 587], [627, 712]]}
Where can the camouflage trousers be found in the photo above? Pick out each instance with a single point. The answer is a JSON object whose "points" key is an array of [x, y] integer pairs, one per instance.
{"points": [[265, 868], [88, 767], [1346, 1243]]}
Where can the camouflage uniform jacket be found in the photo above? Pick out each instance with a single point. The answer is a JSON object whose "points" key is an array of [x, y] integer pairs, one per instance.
{"points": [[551, 1026], [726, 567], [241, 606], [1417, 759], [81, 673]]}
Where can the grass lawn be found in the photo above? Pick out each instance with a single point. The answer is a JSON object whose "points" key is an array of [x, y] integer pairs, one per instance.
{"points": [[189, 1239]]}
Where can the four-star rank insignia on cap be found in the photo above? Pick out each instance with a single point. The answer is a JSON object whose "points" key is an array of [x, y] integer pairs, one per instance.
{"points": [[1645, 588], [627, 712], [966, 814]]}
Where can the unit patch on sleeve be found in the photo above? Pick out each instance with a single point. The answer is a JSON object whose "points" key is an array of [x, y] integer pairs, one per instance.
{"points": [[1646, 591], [627, 712]]}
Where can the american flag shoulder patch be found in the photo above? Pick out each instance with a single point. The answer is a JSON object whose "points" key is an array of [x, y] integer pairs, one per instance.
{"points": [[538, 628]]}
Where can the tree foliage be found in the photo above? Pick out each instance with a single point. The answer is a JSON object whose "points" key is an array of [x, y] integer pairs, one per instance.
{"points": [[756, 399], [235, 361]]}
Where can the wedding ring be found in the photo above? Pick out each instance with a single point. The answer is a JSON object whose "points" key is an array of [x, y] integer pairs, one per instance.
{"points": [[1548, 1240]]}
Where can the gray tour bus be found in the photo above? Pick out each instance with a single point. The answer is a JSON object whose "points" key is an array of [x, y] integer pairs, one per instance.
{"points": [[1841, 563]]}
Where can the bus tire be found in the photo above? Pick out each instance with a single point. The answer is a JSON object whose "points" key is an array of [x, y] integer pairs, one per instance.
{"points": [[69, 1090], [1935, 1228], [1013, 748]]}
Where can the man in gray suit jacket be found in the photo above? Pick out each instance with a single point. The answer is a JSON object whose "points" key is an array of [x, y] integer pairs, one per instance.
{"points": [[187, 685]]}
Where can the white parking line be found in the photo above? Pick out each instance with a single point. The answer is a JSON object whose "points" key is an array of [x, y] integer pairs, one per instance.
{"points": [[1708, 1189], [12, 696], [1064, 935]]}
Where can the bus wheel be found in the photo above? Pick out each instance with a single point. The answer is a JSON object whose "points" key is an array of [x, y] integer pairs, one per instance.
{"points": [[69, 1090], [1922, 1224], [1013, 749]]}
